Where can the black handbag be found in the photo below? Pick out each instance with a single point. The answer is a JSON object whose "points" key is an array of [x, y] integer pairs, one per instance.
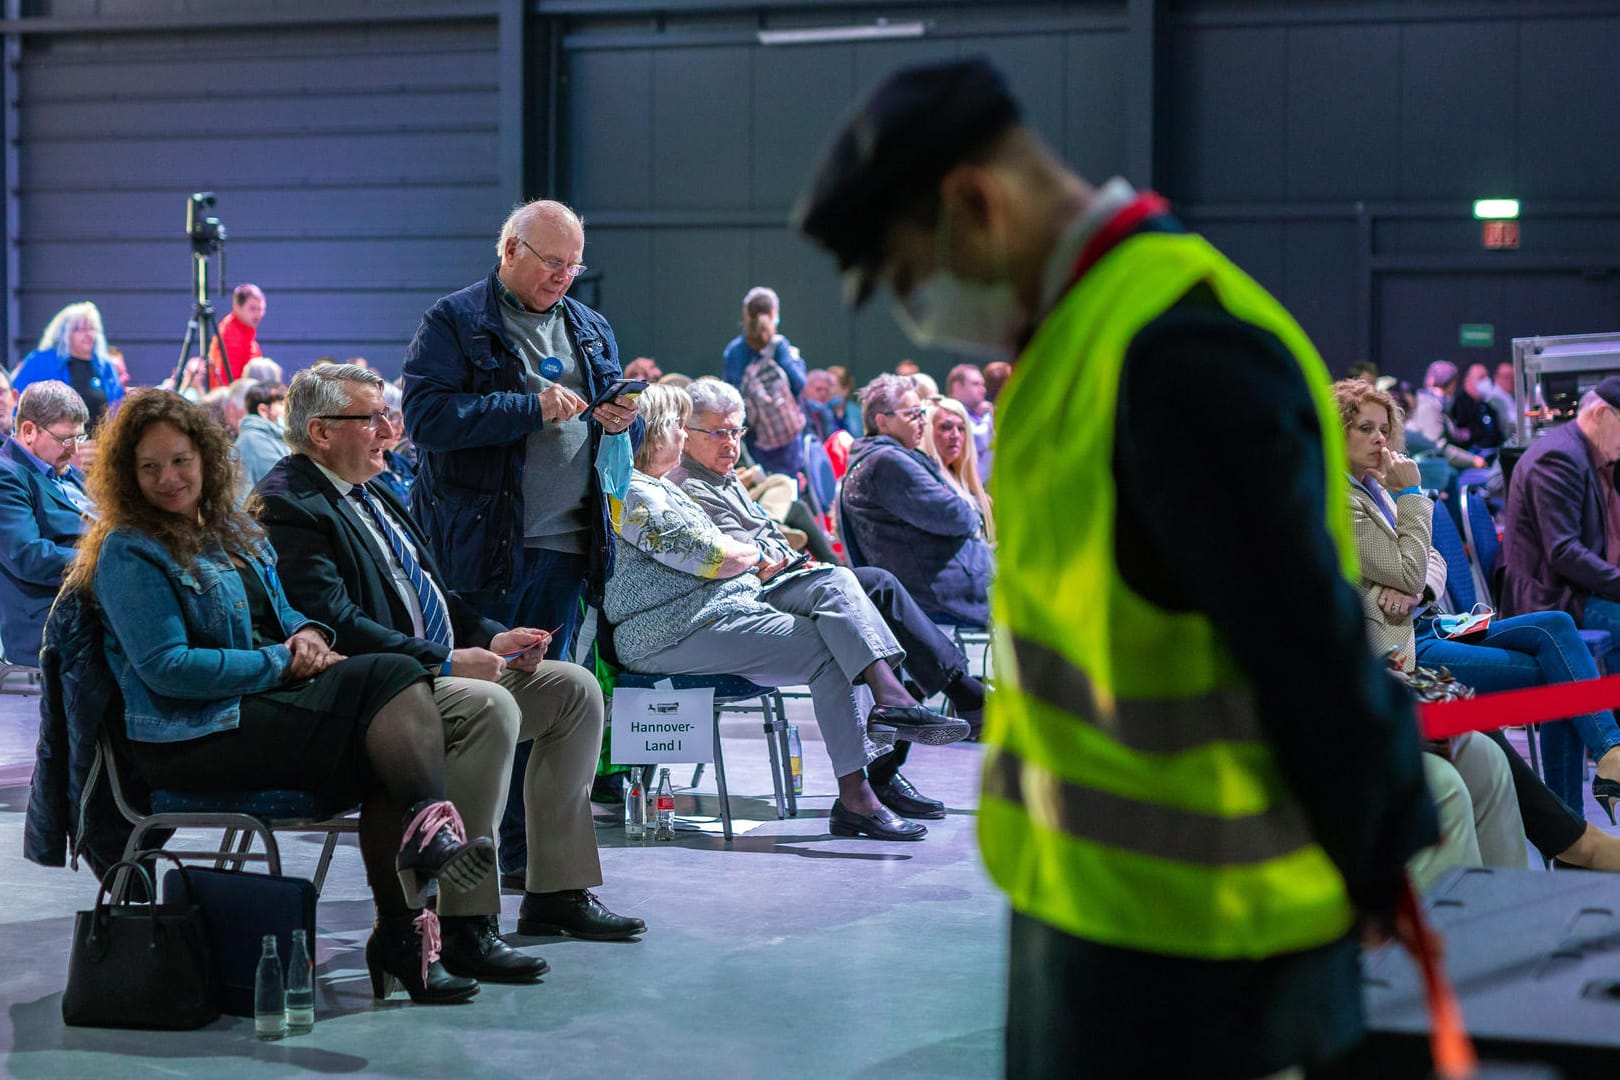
{"points": [[240, 909], [140, 965]]}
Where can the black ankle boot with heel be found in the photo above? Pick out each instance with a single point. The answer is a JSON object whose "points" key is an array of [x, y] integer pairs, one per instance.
{"points": [[394, 957]]}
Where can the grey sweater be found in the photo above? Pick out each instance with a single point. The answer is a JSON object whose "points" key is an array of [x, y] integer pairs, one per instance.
{"points": [[664, 586]]}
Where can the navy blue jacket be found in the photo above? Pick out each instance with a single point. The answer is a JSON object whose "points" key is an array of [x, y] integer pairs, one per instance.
{"points": [[469, 413], [39, 526], [897, 511], [70, 803], [1555, 537]]}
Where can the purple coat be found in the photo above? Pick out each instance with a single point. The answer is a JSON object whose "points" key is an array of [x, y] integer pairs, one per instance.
{"points": [[1555, 538]]}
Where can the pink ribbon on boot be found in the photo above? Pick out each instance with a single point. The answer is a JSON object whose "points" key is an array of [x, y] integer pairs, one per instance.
{"points": [[427, 924]]}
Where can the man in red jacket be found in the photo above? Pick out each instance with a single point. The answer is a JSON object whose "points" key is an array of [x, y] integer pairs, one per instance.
{"points": [[239, 333]]}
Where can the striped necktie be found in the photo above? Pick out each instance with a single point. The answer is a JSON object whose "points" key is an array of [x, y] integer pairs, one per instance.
{"points": [[435, 620]]}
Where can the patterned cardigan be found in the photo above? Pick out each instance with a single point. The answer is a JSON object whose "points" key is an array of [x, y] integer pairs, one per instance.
{"points": [[664, 583], [1400, 557]]}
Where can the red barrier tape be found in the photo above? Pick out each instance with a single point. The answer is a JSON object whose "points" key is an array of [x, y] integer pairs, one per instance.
{"points": [[1449, 1045], [1489, 712]]}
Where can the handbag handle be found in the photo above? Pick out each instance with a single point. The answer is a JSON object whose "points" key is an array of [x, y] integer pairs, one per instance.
{"points": [[104, 892]]}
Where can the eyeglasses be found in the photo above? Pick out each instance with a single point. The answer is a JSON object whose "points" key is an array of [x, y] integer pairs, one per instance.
{"points": [[906, 414], [66, 440], [555, 266], [725, 434], [370, 421]]}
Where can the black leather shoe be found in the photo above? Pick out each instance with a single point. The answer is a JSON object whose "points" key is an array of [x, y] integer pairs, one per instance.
{"points": [[576, 912], [883, 825], [394, 959], [913, 723], [901, 796], [473, 947]]}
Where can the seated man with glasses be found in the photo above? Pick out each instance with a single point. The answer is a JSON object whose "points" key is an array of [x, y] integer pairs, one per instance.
{"points": [[44, 511], [352, 559], [506, 488], [897, 510], [870, 593]]}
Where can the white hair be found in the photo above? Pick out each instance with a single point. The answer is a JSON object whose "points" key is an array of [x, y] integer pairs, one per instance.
{"points": [[54, 337], [523, 212], [263, 369], [882, 395], [712, 395]]}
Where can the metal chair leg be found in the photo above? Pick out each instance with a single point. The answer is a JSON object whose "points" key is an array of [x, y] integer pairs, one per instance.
{"points": [[768, 708], [785, 756], [720, 781], [697, 774], [325, 862]]}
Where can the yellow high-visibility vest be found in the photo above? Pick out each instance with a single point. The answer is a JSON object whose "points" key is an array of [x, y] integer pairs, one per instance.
{"points": [[1130, 798]]}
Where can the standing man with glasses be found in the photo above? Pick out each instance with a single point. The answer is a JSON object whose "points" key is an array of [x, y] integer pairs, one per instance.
{"points": [[44, 510], [507, 491]]}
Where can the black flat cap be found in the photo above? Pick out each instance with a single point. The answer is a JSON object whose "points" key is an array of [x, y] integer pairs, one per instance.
{"points": [[892, 151], [1609, 390]]}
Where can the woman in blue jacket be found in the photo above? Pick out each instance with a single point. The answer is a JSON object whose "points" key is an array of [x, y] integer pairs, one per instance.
{"points": [[227, 688], [73, 349], [896, 510]]}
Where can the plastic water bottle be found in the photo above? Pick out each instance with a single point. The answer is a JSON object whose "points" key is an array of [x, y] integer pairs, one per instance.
{"points": [[269, 997], [300, 987], [796, 759], [666, 807], [635, 807]]}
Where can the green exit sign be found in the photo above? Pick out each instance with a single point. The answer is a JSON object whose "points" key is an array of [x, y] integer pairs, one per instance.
{"points": [[1476, 335]]}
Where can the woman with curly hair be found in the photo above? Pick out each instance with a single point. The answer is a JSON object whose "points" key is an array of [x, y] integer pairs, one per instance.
{"points": [[226, 687]]}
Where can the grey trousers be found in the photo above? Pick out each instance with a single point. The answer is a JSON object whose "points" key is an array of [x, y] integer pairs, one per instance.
{"points": [[824, 633], [1478, 809], [559, 706]]}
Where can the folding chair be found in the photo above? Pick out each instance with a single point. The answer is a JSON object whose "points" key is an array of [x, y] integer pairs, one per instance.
{"points": [[732, 693]]}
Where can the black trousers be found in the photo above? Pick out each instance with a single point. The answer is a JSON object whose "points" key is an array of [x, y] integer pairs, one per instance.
{"points": [[932, 658], [1078, 1010], [1548, 824]]}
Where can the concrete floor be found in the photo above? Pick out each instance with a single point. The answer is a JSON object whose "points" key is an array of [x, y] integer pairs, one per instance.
{"points": [[785, 954]]}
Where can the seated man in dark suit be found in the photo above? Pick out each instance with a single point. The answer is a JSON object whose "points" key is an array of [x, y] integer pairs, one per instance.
{"points": [[1561, 539], [43, 512], [352, 557]]}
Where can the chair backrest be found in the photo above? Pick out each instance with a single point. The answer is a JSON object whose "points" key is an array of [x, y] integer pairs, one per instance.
{"points": [[1480, 529], [1459, 572], [823, 486]]}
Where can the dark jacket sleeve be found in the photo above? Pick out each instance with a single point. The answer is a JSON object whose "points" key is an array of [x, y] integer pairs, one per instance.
{"points": [[1556, 498], [305, 543], [912, 494], [440, 413], [1219, 465]]}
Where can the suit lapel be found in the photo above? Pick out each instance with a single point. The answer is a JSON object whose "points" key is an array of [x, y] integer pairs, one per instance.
{"points": [[1360, 494]]}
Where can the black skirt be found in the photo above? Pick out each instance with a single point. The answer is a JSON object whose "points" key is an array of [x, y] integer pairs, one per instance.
{"points": [[309, 736]]}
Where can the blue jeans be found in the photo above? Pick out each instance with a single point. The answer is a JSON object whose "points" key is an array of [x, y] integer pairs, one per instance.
{"points": [[547, 587], [1533, 650]]}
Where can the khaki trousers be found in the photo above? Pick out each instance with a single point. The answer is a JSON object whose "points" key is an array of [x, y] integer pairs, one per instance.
{"points": [[559, 706]]}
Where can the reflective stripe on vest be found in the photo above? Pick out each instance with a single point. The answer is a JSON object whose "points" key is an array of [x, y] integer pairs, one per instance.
{"points": [[1131, 797]]}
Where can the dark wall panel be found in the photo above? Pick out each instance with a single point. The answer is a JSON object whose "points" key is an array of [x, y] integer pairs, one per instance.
{"points": [[1226, 116], [695, 300], [1459, 131], [609, 129], [1569, 122], [355, 168], [799, 95], [1343, 105], [700, 113], [1093, 133]]}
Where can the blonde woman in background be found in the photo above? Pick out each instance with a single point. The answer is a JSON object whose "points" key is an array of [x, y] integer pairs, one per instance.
{"points": [[945, 438]]}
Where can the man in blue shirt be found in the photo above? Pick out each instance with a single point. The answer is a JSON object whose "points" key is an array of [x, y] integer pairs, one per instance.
{"points": [[44, 510]]}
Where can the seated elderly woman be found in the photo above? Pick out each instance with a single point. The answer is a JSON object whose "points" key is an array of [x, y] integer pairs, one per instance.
{"points": [[687, 599], [227, 688], [897, 510], [1404, 579], [866, 595]]}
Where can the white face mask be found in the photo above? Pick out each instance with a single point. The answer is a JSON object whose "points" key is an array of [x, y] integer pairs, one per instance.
{"points": [[965, 316]]}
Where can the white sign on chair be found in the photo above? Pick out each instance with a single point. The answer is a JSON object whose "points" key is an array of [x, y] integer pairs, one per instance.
{"points": [[662, 726]]}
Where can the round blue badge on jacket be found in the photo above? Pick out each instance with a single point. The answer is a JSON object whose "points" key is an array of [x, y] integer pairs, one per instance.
{"points": [[551, 368]]}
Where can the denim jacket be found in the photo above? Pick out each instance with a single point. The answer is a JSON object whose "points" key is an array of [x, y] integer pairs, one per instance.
{"points": [[469, 413], [180, 638]]}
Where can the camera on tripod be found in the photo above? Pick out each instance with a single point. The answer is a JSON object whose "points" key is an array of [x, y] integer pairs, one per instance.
{"points": [[206, 233]]}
